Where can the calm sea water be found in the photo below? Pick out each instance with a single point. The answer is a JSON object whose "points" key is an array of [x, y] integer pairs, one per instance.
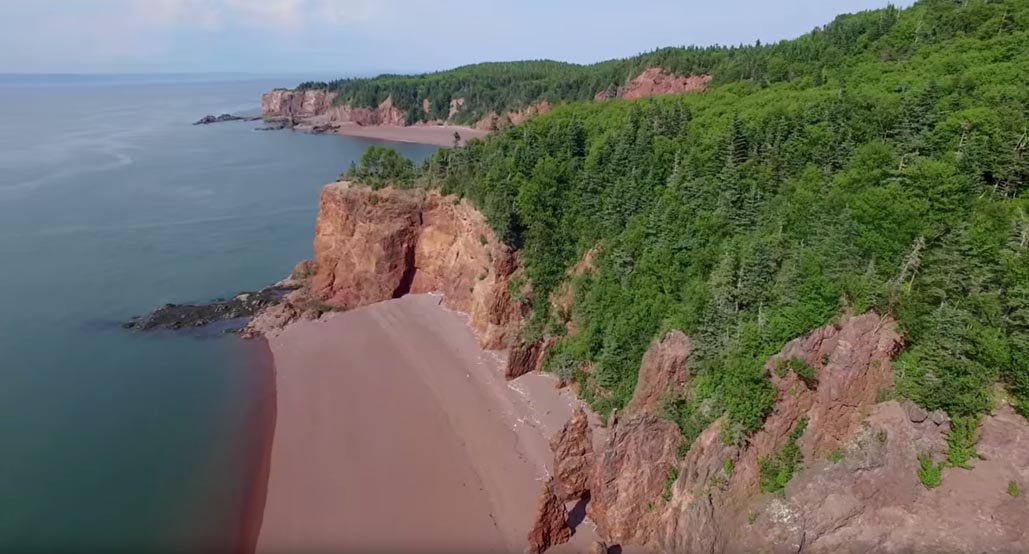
{"points": [[112, 204]]}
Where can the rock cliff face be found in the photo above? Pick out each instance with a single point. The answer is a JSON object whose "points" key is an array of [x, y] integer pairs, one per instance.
{"points": [[317, 108], [494, 122], [551, 526], [856, 488], [655, 81], [372, 246]]}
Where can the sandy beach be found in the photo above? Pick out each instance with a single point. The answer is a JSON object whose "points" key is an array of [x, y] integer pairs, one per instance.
{"points": [[440, 135], [396, 432]]}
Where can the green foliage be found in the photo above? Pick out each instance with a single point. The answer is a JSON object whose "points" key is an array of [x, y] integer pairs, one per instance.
{"points": [[381, 166], [1013, 489], [961, 441], [777, 470], [673, 474], [836, 456], [929, 473], [727, 467], [878, 162], [801, 368]]}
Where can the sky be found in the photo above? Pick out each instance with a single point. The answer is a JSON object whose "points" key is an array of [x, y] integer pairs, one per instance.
{"points": [[360, 37]]}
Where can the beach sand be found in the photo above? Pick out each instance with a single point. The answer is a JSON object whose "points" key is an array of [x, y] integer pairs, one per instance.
{"points": [[440, 135], [395, 432]]}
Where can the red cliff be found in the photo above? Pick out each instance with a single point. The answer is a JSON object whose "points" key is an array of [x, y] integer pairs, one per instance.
{"points": [[372, 246]]}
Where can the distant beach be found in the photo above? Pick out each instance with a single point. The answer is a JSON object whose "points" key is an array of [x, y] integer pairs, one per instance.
{"points": [[439, 135]]}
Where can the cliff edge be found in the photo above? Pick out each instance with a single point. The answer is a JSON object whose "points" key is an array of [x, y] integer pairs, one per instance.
{"points": [[375, 245]]}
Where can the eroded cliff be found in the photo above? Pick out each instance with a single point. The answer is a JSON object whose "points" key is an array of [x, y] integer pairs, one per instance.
{"points": [[855, 486], [375, 245], [317, 108]]}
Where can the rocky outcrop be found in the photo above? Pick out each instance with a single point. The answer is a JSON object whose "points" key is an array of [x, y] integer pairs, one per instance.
{"points": [[573, 458], [296, 103], [372, 246], [663, 372], [551, 524], [223, 118], [856, 487], [317, 108], [176, 317], [637, 460], [493, 122], [525, 358], [655, 81]]}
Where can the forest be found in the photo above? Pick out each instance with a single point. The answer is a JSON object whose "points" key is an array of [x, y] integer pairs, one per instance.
{"points": [[509, 86], [877, 163]]}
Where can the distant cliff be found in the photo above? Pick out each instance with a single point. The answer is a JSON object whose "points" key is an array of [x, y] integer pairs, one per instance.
{"points": [[319, 106]]}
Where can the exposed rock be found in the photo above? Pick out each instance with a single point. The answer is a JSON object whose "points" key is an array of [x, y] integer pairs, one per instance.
{"points": [[297, 306], [551, 526], [872, 500], [372, 246], [573, 457], [663, 371], [184, 316], [209, 119], [655, 81], [638, 457], [867, 497], [523, 358], [598, 547], [493, 122]]}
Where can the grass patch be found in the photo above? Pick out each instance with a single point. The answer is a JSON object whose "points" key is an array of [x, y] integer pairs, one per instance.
{"points": [[929, 473], [777, 470], [1013, 489], [673, 474], [835, 456]]}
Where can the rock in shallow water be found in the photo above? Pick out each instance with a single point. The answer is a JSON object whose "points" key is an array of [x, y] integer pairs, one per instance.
{"points": [[185, 316]]}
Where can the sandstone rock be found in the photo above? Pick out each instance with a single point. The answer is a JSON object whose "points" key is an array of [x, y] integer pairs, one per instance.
{"points": [[663, 371], [573, 457], [638, 456], [551, 526], [523, 359], [496, 121], [868, 497], [372, 246], [655, 81]]}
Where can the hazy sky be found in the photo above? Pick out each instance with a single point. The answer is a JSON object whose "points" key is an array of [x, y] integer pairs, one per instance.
{"points": [[359, 36]]}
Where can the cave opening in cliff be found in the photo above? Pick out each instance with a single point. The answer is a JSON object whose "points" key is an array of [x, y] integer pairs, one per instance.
{"points": [[404, 286]]}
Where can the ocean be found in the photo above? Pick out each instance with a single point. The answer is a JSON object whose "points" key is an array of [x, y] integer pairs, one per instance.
{"points": [[111, 204]]}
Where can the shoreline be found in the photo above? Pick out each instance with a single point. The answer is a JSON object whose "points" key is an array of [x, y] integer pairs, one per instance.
{"points": [[255, 496], [395, 431], [436, 135]]}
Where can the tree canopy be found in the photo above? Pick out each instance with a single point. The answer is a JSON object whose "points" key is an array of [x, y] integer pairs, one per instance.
{"points": [[877, 163]]}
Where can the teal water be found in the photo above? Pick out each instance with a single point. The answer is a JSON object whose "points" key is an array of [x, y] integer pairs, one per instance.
{"points": [[111, 204]]}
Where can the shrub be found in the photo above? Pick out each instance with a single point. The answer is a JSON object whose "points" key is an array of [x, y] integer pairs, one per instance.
{"points": [[1013, 489], [929, 473], [381, 166], [964, 432], [673, 474], [777, 470], [835, 456]]}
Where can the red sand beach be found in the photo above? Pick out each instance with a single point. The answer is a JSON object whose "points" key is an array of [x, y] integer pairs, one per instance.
{"points": [[439, 135], [396, 432]]}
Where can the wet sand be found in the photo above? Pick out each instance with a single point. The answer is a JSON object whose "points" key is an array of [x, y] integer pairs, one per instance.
{"points": [[395, 432]]}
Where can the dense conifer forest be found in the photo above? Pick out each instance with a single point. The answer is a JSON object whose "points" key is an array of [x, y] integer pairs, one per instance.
{"points": [[877, 163]]}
